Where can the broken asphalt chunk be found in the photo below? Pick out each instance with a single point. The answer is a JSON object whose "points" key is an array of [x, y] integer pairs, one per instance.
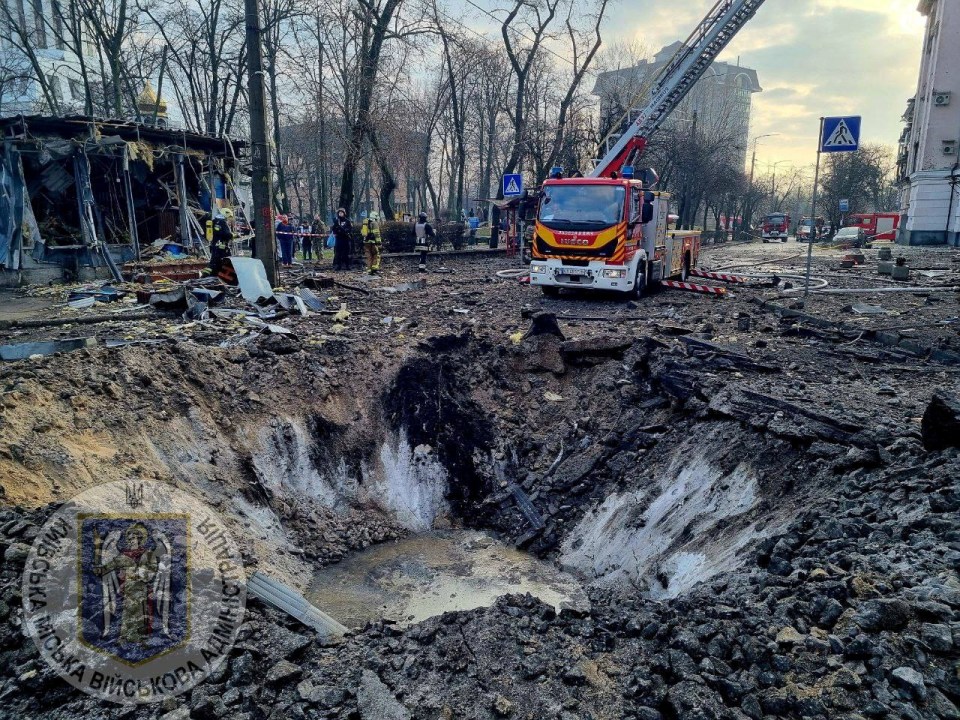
{"points": [[544, 323], [940, 426]]}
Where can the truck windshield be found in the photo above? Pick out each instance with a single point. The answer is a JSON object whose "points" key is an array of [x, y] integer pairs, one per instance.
{"points": [[584, 206]]}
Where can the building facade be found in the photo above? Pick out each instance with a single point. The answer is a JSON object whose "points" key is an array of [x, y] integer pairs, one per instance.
{"points": [[929, 158], [721, 101], [41, 26]]}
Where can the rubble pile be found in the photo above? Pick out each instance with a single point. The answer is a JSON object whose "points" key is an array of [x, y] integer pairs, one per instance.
{"points": [[763, 509]]}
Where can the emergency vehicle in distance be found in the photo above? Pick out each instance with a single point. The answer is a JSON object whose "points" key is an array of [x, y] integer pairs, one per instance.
{"points": [[810, 227], [877, 226], [609, 231], [776, 226]]}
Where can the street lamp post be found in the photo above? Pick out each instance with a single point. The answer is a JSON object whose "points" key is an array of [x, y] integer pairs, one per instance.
{"points": [[748, 214], [753, 161], [773, 182]]}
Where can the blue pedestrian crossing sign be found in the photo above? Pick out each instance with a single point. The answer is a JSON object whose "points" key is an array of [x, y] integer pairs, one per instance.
{"points": [[844, 206], [512, 185], [840, 134]]}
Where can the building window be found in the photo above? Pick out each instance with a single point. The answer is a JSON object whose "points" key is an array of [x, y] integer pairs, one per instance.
{"points": [[76, 90], [56, 90], [21, 16], [57, 14], [40, 23]]}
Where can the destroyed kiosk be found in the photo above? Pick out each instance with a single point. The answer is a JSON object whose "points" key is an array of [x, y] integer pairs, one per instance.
{"points": [[80, 197]]}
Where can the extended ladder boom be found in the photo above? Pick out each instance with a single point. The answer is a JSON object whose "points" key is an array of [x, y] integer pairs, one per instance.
{"points": [[687, 66]]}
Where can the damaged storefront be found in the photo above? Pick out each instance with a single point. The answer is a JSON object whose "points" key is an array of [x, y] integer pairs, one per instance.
{"points": [[80, 197]]}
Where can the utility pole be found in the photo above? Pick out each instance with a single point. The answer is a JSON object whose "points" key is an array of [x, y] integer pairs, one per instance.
{"points": [[262, 212], [813, 211]]}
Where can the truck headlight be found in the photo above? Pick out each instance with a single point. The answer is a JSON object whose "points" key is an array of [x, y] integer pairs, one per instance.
{"points": [[534, 268], [615, 273]]}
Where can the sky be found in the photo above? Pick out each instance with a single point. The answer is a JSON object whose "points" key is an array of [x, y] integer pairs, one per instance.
{"points": [[813, 58]]}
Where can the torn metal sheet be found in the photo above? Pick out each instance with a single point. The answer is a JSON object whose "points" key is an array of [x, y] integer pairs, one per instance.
{"points": [[22, 351], [275, 329], [106, 294], [196, 310], [228, 313], [206, 295], [312, 301], [865, 309], [290, 302], [252, 278], [238, 339], [283, 598], [526, 507], [173, 299], [82, 302]]}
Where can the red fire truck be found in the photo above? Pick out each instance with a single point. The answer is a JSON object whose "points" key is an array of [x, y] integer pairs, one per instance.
{"points": [[877, 226], [607, 234], [609, 231], [776, 226]]}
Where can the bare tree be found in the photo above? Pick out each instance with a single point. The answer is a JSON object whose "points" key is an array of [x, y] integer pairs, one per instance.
{"points": [[375, 18], [207, 51], [539, 15]]}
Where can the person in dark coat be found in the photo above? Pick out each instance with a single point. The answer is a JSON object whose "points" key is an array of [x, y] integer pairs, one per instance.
{"points": [[342, 229], [285, 241]]}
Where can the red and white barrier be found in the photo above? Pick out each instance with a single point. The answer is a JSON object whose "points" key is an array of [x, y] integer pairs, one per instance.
{"points": [[693, 287], [723, 277]]}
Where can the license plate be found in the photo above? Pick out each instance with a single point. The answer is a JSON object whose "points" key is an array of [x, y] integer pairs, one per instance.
{"points": [[573, 272]]}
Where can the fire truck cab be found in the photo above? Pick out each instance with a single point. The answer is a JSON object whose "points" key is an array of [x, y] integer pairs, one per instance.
{"points": [[607, 234], [776, 226], [879, 227]]}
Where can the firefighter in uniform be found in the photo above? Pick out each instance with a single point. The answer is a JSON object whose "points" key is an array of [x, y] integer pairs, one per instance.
{"points": [[219, 238], [370, 231]]}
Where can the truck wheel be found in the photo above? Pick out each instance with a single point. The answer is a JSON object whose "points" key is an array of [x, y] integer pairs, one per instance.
{"points": [[639, 282], [550, 290]]}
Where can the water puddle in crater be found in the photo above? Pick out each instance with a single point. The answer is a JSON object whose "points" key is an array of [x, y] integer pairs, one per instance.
{"points": [[427, 575]]}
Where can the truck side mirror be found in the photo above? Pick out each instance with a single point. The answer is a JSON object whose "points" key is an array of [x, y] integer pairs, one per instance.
{"points": [[646, 212]]}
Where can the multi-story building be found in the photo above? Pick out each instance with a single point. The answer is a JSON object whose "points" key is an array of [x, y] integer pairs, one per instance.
{"points": [[929, 159], [721, 100], [41, 27]]}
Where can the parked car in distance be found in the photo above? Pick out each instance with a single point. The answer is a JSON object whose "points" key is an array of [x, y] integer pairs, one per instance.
{"points": [[853, 236]]}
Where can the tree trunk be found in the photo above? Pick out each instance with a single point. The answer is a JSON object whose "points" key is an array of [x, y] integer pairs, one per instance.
{"points": [[375, 33]]}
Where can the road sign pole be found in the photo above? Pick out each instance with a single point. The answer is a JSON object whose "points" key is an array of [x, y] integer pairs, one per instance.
{"points": [[813, 210]]}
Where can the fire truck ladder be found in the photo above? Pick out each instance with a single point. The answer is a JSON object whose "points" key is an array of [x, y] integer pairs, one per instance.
{"points": [[679, 75]]}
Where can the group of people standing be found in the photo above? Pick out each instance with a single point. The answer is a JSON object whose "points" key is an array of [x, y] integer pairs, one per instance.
{"points": [[311, 239], [307, 236]]}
